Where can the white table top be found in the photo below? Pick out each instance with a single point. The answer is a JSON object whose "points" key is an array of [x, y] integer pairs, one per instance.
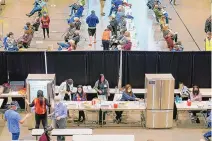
{"points": [[37, 132], [103, 138], [195, 106], [105, 105], [71, 132], [12, 94]]}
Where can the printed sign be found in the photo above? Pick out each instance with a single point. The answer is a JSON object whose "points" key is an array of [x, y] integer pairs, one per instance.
{"points": [[152, 82]]}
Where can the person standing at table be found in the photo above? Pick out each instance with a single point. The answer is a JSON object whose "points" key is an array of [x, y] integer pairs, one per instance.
{"points": [[13, 119], [195, 95], [127, 95], [59, 115], [80, 96], [40, 104], [103, 91], [65, 89]]}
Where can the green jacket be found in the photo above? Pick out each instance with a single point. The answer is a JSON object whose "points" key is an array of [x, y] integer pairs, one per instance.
{"points": [[158, 13], [83, 2]]}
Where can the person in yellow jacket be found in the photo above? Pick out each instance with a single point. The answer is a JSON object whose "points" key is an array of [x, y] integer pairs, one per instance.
{"points": [[208, 42]]}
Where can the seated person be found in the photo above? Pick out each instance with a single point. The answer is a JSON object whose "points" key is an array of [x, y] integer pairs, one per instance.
{"points": [[73, 8], [207, 135], [125, 38], [127, 95], [25, 40], [36, 23], [114, 25], [158, 12], [80, 96], [38, 5], [122, 24], [178, 46], [77, 23], [65, 89], [69, 46], [119, 14], [166, 30], [29, 28], [195, 95], [11, 43], [115, 5], [76, 37], [127, 46], [70, 32], [166, 16], [169, 41], [79, 11]]}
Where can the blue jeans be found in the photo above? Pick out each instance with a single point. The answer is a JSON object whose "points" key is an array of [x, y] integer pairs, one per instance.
{"points": [[13, 49], [35, 9], [207, 135], [64, 45], [111, 10], [15, 136]]}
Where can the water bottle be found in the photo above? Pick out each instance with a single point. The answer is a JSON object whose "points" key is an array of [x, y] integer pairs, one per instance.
{"points": [[177, 99]]}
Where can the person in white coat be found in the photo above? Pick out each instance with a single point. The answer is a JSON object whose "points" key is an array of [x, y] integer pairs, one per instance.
{"points": [[65, 89]]}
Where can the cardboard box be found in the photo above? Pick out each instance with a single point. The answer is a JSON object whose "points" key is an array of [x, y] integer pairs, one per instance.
{"points": [[159, 91], [159, 118]]}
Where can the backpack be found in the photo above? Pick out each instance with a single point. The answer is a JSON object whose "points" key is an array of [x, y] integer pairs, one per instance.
{"points": [[44, 137]]}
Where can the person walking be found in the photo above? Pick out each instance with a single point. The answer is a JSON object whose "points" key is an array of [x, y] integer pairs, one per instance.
{"points": [[13, 119], [45, 20], [92, 20], [40, 104], [102, 5], [59, 116]]}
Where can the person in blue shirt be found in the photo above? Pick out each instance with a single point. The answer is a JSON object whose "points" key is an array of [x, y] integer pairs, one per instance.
{"points": [[80, 96], [115, 6], [13, 119], [92, 20], [38, 5], [59, 115], [127, 95], [207, 135]]}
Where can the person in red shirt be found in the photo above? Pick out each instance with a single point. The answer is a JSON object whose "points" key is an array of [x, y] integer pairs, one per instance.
{"points": [[169, 41], [45, 20]]}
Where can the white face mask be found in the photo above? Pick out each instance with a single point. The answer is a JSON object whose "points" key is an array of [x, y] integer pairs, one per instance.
{"points": [[79, 91]]}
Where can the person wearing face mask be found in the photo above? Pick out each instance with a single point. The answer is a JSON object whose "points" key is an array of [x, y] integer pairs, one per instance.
{"points": [[195, 96], [65, 89], [13, 119], [80, 96], [40, 104], [103, 91], [127, 95], [59, 116]]}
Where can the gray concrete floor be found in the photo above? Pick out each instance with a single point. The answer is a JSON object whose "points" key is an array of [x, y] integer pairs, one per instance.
{"points": [[188, 17]]}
